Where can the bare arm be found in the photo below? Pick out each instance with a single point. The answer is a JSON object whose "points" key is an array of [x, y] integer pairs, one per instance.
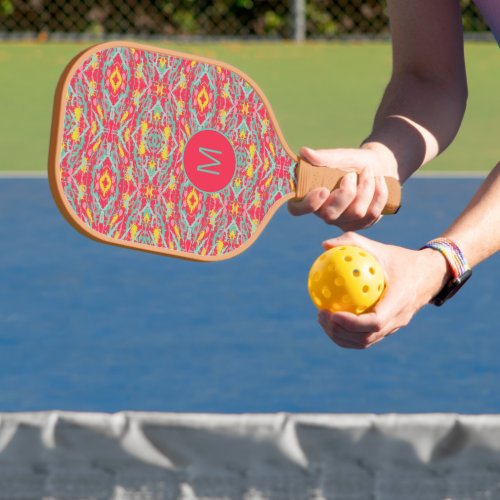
{"points": [[424, 103], [418, 117], [477, 229]]}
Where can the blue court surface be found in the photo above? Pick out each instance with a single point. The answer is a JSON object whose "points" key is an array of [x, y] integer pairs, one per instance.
{"points": [[90, 327]]}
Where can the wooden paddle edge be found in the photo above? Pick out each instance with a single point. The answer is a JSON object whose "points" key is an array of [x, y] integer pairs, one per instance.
{"points": [[55, 152]]}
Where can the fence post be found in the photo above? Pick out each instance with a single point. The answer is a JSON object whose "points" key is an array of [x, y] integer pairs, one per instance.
{"points": [[299, 20]]}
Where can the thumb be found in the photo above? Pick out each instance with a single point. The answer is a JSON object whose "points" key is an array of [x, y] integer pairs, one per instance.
{"points": [[313, 156], [338, 158], [348, 238]]}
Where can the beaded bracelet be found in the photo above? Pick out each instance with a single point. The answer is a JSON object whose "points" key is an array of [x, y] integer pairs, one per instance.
{"points": [[460, 269], [452, 254]]}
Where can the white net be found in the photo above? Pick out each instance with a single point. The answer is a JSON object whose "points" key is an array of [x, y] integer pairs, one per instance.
{"points": [[152, 456]]}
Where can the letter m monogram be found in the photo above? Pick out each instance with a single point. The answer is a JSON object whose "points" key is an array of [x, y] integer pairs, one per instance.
{"points": [[209, 168]]}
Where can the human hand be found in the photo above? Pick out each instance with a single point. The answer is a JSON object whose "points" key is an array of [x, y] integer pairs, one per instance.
{"points": [[413, 278], [362, 195]]}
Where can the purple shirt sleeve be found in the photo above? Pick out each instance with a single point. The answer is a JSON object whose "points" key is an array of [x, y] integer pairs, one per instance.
{"points": [[490, 9]]}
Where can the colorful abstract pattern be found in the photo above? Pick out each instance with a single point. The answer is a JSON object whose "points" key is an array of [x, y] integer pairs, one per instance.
{"points": [[129, 114]]}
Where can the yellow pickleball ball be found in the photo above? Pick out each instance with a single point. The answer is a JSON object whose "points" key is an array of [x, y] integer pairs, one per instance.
{"points": [[346, 278]]}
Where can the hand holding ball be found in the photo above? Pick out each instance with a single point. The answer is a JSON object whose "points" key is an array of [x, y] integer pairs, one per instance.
{"points": [[346, 278]]}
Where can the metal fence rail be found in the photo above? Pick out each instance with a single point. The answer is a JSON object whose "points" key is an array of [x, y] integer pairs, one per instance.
{"points": [[287, 19]]}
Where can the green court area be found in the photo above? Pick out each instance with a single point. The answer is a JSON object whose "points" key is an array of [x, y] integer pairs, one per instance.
{"points": [[324, 95]]}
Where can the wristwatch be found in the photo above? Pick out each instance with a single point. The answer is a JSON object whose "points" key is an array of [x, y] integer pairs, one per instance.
{"points": [[460, 270]]}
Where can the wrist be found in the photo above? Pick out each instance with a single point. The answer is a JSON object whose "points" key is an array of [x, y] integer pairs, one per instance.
{"points": [[388, 165], [437, 273], [457, 265]]}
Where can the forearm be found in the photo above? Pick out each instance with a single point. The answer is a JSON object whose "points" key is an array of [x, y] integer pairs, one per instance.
{"points": [[416, 121], [424, 103], [477, 230]]}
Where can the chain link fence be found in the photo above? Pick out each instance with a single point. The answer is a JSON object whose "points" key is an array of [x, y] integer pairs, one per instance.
{"points": [[285, 19]]}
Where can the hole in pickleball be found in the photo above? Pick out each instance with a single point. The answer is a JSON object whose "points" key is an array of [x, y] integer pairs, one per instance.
{"points": [[346, 299], [348, 258], [362, 254], [317, 276], [356, 273], [372, 270], [327, 293], [339, 281], [317, 300], [366, 289], [379, 288], [360, 309]]}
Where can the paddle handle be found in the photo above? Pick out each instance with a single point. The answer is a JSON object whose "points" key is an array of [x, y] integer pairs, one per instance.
{"points": [[310, 177]]}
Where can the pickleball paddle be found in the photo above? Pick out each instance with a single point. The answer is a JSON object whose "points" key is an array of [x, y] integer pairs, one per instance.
{"points": [[171, 153]]}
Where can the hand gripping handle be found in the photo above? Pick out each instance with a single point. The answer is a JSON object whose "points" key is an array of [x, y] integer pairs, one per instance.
{"points": [[310, 177]]}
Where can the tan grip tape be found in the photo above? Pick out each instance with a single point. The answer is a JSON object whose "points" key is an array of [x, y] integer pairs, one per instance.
{"points": [[310, 177]]}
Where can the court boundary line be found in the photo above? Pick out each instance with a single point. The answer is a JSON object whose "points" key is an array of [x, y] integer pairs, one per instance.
{"points": [[452, 174], [28, 174], [433, 174]]}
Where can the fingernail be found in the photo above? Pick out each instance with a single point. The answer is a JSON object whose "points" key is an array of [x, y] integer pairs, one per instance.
{"points": [[305, 150], [324, 194]]}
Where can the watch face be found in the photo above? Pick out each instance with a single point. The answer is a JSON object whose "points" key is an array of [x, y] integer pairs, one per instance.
{"points": [[451, 288]]}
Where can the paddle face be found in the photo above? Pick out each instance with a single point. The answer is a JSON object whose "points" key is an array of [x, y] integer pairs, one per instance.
{"points": [[165, 152]]}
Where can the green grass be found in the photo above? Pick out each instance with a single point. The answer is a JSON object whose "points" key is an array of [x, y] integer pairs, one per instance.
{"points": [[324, 95]]}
